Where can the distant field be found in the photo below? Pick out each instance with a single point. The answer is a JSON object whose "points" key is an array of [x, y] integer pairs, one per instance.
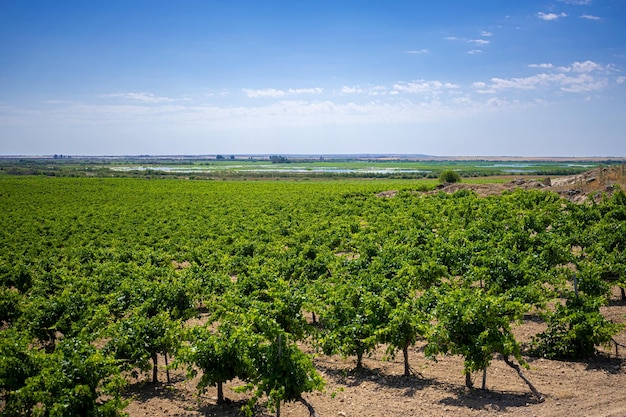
{"points": [[206, 168]]}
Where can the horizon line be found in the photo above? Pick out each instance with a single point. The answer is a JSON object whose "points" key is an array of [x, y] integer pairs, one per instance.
{"points": [[310, 156]]}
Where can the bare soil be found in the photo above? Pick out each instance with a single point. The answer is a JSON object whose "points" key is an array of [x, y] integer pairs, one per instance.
{"points": [[593, 388], [577, 188]]}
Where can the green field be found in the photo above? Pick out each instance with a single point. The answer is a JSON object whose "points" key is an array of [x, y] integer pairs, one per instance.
{"points": [[100, 275]]}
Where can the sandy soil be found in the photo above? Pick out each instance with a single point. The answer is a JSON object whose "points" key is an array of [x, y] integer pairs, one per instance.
{"points": [[577, 188], [589, 388]]}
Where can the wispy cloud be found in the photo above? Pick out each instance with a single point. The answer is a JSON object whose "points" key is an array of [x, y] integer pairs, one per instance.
{"points": [[267, 92], [222, 93], [316, 90], [550, 16], [274, 93], [277, 113], [423, 87], [475, 51], [576, 78], [540, 66], [577, 2], [402, 87], [486, 34], [376, 90], [590, 17], [418, 51], [475, 42], [142, 97], [352, 90], [586, 66], [402, 101]]}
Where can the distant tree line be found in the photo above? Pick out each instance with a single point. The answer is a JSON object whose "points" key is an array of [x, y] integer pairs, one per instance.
{"points": [[277, 159]]}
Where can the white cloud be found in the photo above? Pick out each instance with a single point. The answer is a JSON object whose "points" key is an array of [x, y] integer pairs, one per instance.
{"points": [[576, 2], [527, 83], [423, 87], [540, 66], [587, 66], [486, 34], [402, 101], [377, 90], [142, 97], [351, 90], [267, 92], [550, 16], [223, 93], [590, 17], [582, 83], [274, 93], [285, 112], [482, 88], [586, 76], [401, 87], [315, 90], [478, 42], [418, 51], [475, 51]]}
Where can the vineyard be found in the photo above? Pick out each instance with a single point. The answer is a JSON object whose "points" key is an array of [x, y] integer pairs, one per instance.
{"points": [[262, 297]]}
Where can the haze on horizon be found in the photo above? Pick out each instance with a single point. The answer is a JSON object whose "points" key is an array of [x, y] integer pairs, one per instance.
{"points": [[533, 78]]}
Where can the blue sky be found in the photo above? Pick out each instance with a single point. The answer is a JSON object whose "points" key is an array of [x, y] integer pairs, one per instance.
{"points": [[492, 78]]}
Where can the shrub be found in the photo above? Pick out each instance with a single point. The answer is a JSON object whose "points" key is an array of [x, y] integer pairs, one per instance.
{"points": [[449, 176], [574, 330]]}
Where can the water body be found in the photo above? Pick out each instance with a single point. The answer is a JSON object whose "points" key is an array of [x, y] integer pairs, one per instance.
{"points": [[272, 169]]}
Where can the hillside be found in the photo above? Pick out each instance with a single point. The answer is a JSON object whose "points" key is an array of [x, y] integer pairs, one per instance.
{"points": [[577, 188]]}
